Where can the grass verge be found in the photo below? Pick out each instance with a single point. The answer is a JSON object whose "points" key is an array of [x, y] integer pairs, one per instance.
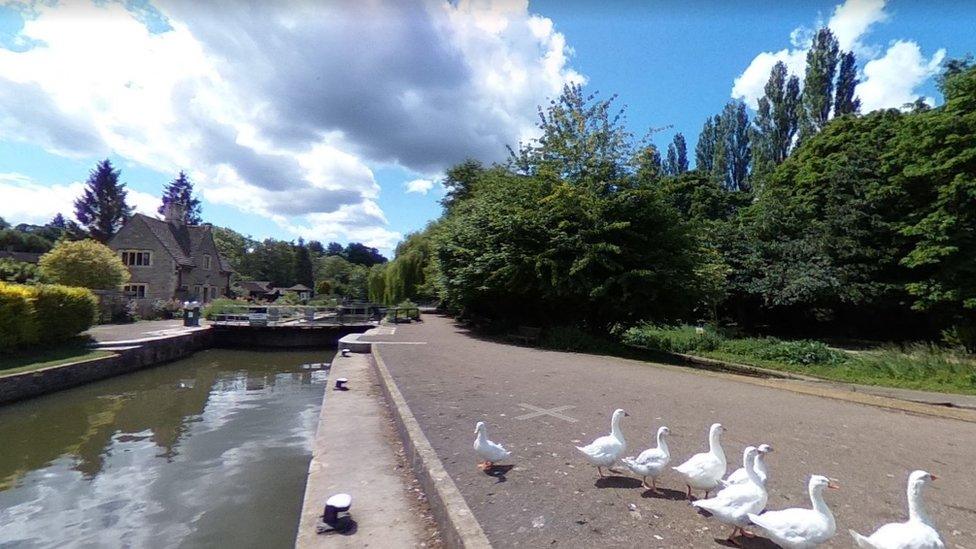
{"points": [[919, 366], [27, 360]]}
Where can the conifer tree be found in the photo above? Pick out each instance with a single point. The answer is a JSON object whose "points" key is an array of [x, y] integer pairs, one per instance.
{"points": [[101, 208], [677, 159], [737, 146], [180, 191], [648, 164]]}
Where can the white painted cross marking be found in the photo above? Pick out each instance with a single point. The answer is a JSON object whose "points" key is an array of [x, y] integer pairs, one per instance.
{"points": [[538, 412]]}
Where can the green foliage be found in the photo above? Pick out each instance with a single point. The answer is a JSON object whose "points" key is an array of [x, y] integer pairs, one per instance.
{"points": [[818, 84], [19, 272], [223, 306], [304, 272], [413, 274], [345, 279], [18, 323], [920, 366], [702, 341], [43, 314], [19, 241], [678, 339], [101, 208], [180, 192], [236, 249], [572, 339], [63, 312], [84, 263]]}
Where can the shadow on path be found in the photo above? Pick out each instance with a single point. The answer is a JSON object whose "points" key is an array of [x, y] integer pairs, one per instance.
{"points": [[665, 493], [499, 471], [617, 482]]}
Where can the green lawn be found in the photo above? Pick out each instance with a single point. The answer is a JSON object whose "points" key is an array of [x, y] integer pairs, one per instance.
{"points": [[918, 366], [37, 358]]}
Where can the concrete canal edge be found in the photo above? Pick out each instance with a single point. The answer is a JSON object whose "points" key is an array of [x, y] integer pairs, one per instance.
{"points": [[459, 527], [353, 452], [128, 356]]}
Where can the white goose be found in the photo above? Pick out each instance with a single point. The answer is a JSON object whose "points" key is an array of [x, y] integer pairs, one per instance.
{"points": [[606, 450], [801, 528], [488, 451], [704, 471], [739, 476], [733, 504], [917, 533], [651, 462]]}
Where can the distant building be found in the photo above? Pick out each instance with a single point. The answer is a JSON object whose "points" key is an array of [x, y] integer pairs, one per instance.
{"points": [[170, 259], [261, 289]]}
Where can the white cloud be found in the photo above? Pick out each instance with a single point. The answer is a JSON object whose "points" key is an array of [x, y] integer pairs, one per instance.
{"points": [[892, 80], [852, 20], [887, 81], [26, 201], [280, 108], [419, 186]]}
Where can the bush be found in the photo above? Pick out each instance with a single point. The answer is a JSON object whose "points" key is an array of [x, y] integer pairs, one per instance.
{"points": [[166, 309], [63, 312], [673, 339], [18, 325], [30, 315], [84, 263], [222, 306], [19, 272], [798, 353], [572, 339]]}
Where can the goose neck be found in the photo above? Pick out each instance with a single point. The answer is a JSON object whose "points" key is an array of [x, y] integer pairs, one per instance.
{"points": [[615, 428], [916, 508], [715, 445], [819, 505], [750, 467], [662, 443]]}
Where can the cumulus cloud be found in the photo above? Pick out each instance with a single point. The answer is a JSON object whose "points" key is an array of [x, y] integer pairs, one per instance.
{"points": [[892, 80], [282, 108], [888, 80], [27, 201], [419, 186]]}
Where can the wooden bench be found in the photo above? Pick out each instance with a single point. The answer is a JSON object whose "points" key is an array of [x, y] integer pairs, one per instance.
{"points": [[526, 335]]}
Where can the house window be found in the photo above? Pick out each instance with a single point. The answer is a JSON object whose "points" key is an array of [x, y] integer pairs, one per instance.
{"points": [[136, 258], [137, 291], [213, 292], [206, 262]]}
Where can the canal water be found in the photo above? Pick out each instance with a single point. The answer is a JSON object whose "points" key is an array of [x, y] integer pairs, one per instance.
{"points": [[208, 451]]}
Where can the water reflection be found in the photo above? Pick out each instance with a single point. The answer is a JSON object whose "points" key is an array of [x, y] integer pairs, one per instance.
{"points": [[207, 451]]}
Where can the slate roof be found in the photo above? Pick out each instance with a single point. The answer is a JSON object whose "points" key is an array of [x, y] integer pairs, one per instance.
{"points": [[26, 257], [299, 288], [182, 240], [255, 285]]}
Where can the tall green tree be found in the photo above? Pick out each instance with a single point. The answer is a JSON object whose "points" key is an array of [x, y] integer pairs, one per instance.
{"points": [[935, 159], [180, 191], [735, 136], [776, 120], [458, 181], [582, 140], [647, 164], [677, 158], [304, 272], [705, 149], [845, 98], [102, 208], [818, 84]]}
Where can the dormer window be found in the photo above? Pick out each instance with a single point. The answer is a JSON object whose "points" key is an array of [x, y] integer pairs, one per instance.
{"points": [[136, 258], [206, 262]]}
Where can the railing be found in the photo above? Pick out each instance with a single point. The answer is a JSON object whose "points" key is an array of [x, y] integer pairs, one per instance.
{"points": [[298, 315]]}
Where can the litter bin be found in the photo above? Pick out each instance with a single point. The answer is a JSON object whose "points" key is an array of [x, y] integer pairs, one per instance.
{"points": [[191, 314]]}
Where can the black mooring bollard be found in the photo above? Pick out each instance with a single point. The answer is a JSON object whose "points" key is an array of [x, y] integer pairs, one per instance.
{"points": [[336, 517]]}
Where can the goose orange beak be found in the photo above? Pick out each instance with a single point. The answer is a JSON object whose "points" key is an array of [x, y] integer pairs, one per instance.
{"points": [[833, 485], [933, 476]]}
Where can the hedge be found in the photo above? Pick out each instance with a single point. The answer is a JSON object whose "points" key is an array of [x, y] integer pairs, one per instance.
{"points": [[46, 313]]}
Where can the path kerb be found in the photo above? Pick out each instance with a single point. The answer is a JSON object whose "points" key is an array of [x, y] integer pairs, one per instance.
{"points": [[459, 527]]}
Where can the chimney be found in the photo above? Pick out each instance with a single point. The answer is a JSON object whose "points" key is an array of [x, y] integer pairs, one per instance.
{"points": [[174, 213]]}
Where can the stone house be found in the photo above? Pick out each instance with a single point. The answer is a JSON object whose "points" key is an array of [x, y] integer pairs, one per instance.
{"points": [[169, 259]]}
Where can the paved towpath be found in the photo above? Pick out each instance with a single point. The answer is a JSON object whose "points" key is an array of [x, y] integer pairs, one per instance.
{"points": [[542, 403], [104, 333]]}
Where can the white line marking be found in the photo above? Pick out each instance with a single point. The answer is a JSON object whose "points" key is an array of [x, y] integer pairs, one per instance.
{"points": [[554, 412]]}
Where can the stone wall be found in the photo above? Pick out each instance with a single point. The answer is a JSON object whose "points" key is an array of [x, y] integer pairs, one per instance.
{"points": [[283, 336], [161, 275], [134, 357]]}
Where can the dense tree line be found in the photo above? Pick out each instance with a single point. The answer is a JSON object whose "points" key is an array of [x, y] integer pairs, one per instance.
{"points": [[808, 218]]}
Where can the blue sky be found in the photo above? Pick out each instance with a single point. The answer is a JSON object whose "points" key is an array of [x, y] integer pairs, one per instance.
{"points": [[291, 134]]}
